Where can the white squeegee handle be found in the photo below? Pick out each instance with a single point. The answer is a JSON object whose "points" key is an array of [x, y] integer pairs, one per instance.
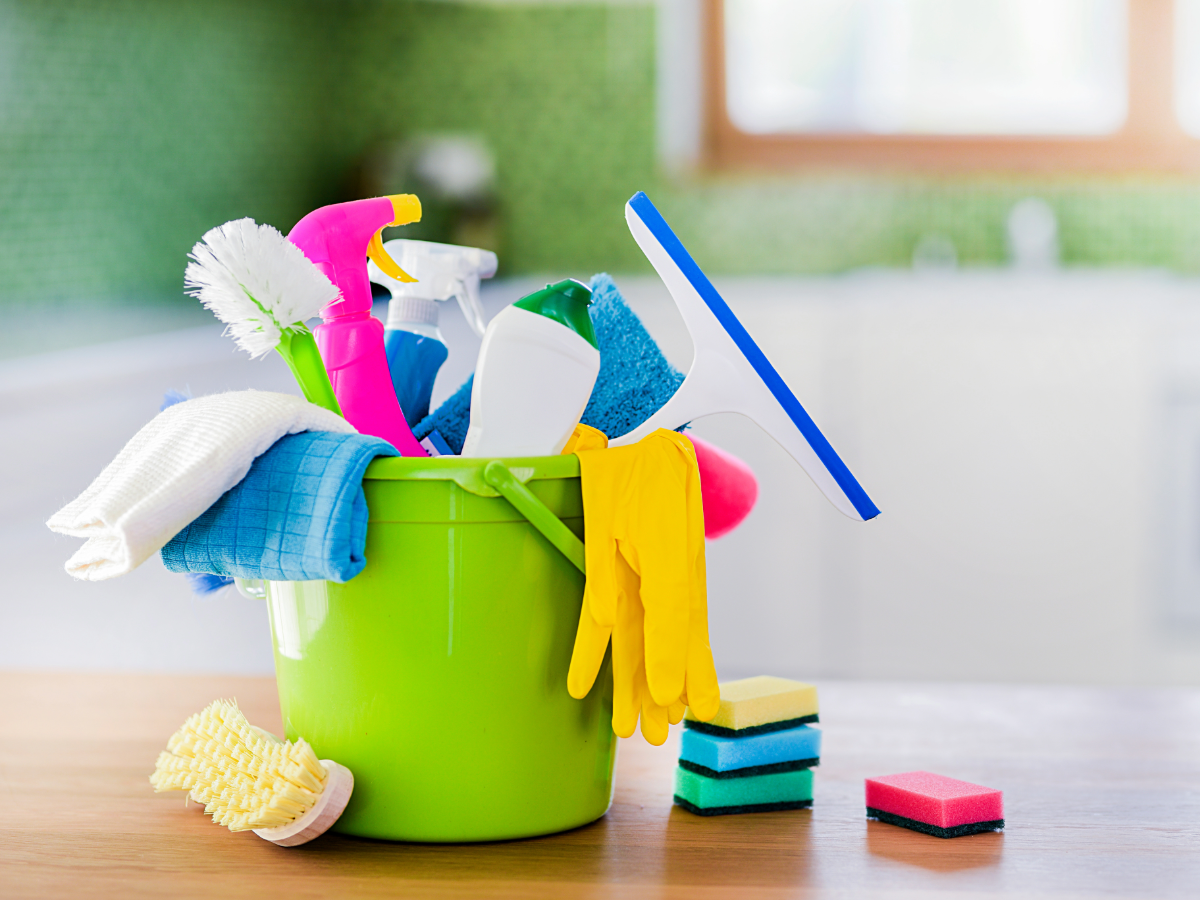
{"points": [[727, 362]]}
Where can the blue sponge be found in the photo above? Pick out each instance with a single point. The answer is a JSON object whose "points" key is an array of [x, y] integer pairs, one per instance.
{"points": [[451, 419], [775, 751], [635, 379]]}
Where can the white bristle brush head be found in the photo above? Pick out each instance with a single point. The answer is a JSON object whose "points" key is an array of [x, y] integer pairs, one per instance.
{"points": [[249, 779], [257, 282]]}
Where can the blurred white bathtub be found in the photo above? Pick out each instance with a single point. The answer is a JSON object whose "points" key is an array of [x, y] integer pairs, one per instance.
{"points": [[1033, 442]]}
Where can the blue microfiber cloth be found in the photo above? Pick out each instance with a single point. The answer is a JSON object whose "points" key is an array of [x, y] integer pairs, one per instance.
{"points": [[299, 514], [635, 379]]}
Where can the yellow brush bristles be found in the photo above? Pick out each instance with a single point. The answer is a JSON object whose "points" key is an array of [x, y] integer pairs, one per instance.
{"points": [[243, 780]]}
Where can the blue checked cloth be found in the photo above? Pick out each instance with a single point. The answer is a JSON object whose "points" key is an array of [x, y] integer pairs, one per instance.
{"points": [[298, 515]]}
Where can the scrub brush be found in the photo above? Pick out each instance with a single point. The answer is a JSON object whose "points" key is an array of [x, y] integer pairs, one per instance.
{"points": [[264, 289], [248, 779]]}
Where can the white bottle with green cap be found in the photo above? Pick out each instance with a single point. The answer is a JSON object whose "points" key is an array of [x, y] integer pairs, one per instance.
{"points": [[535, 373]]}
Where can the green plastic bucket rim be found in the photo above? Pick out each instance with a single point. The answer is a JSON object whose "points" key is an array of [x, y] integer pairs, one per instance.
{"points": [[468, 472], [487, 478]]}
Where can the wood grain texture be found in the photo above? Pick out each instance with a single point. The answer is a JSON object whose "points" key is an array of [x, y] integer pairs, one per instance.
{"points": [[1102, 797]]}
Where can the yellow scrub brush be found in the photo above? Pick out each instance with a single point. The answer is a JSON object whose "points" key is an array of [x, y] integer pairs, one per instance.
{"points": [[248, 779]]}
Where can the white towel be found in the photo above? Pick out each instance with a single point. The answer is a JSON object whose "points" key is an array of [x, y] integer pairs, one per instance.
{"points": [[174, 469]]}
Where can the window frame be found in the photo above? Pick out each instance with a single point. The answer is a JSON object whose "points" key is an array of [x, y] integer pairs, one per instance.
{"points": [[1151, 140]]}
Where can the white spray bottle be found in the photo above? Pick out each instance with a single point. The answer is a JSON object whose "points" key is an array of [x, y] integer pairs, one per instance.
{"points": [[535, 373], [412, 340]]}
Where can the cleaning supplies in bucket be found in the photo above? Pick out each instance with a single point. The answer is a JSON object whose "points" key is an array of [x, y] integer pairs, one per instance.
{"points": [[248, 779], [646, 589], [412, 340], [174, 469], [635, 379], [536, 369], [298, 515], [265, 289], [338, 239]]}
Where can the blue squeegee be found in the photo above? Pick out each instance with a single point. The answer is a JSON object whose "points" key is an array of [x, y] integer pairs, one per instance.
{"points": [[729, 372]]}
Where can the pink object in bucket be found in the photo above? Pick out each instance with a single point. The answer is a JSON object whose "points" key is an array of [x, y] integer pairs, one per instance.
{"points": [[338, 239], [728, 488]]}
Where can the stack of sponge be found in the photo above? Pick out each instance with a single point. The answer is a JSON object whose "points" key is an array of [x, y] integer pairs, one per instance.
{"points": [[757, 752]]}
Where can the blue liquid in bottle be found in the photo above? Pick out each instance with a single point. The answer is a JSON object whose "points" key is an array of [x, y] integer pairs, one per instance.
{"points": [[414, 360]]}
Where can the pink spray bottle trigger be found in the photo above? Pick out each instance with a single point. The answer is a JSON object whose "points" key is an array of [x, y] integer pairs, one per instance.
{"points": [[337, 239]]}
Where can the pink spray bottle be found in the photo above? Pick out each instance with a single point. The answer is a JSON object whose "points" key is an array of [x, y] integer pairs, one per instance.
{"points": [[338, 239]]}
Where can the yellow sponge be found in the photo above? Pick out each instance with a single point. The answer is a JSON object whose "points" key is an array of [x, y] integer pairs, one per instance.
{"points": [[760, 704]]}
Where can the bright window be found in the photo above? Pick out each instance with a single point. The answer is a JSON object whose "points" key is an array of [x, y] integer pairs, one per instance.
{"points": [[1187, 65], [935, 67]]}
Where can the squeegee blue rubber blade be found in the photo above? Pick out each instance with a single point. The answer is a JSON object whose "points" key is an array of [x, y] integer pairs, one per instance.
{"points": [[662, 232]]}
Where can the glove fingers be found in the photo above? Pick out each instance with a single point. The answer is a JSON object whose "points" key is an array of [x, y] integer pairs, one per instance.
{"points": [[591, 640], [628, 665], [703, 691], [654, 721], [599, 471], [666, 570], [626, 707], [676, 710]]}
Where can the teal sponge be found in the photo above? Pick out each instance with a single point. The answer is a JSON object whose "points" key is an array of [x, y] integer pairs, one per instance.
{"points": [[706, 796]]}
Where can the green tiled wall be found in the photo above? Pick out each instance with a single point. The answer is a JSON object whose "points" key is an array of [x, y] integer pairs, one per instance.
{"points": [[833, 224], [128, 127]]}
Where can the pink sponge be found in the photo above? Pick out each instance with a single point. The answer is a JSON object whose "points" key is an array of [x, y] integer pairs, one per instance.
{"points": [[728, 488], [934, 804]]}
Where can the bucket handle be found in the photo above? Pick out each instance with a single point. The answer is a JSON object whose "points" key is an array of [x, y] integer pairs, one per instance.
{"points": [[523, 500]]}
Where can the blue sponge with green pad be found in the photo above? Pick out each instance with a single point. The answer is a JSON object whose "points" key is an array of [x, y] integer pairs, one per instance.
{"points": [[755, 793], [760, 754], [634, 382]]}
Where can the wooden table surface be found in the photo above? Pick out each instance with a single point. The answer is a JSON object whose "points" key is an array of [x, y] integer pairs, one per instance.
{"points": [[1101, 790]]}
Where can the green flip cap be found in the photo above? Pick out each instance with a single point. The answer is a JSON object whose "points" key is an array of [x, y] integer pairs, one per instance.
{"points": [[567, 303]]}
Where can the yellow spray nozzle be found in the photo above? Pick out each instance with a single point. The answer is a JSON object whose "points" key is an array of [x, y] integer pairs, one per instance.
{"points": [[406, 207], [379, 256]]}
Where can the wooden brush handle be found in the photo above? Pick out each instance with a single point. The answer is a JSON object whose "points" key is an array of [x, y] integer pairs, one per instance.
{"points": [[339, 785]]}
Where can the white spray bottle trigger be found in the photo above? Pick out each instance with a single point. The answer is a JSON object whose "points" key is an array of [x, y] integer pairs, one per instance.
{"points": [[467, 295], [442, 271]]}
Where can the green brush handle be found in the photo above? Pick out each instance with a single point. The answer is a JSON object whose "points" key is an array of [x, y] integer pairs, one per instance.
{"points": [[299, 351]]}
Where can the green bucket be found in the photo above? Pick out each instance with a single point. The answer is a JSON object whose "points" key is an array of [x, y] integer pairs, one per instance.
{"points": [[439, 674]]}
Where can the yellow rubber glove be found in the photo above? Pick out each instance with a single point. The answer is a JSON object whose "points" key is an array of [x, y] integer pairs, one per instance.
{"points": [[585, 437], [646, 590]]}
